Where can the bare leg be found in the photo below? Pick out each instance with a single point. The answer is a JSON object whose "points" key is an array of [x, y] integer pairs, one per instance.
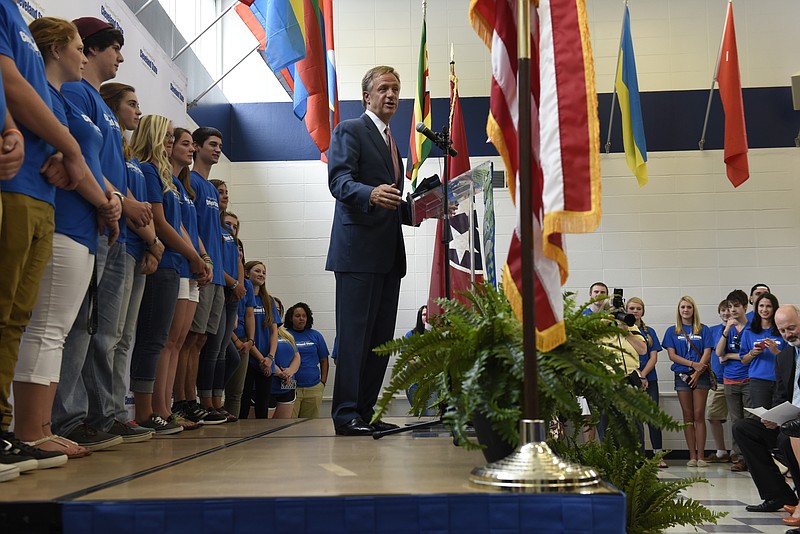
{"points": [[687, 409], [718, 432], [30, 402], [144, 406], [699, 397]]}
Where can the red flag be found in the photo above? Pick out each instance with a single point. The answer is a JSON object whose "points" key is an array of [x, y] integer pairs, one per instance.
{"points": [[247, 2], [461, 257], [730, 91], [564, 142]]}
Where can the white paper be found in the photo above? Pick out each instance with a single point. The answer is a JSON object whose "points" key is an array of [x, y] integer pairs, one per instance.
{"points": [[779, 414]]}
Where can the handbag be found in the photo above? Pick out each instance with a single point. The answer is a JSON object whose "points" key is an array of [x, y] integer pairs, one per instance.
{"points": [[712, 378]]}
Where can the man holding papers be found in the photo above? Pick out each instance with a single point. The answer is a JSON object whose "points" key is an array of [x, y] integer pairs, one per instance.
{"points": [[757, 438]]}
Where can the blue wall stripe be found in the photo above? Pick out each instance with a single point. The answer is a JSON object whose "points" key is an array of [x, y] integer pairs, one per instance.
{"points": [[673, 121]]}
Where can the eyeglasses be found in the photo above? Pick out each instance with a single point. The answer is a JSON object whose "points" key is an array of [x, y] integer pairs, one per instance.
{"points": [[169, 137]]}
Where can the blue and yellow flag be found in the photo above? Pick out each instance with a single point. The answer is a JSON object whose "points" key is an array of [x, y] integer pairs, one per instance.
{"points": [[629, 105]]}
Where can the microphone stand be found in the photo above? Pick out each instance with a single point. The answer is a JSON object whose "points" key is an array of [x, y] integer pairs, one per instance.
{"points": [[444, 142]]}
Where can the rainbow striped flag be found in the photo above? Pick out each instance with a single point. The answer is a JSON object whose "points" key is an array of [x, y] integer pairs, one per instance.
{"points": [[629, 105], [419, 145]]}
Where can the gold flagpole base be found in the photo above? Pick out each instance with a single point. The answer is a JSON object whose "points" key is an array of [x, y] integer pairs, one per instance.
{"points": [[534, 468]]}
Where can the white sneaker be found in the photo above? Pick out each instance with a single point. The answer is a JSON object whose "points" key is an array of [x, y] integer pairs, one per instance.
{"points": [[8, 472]]}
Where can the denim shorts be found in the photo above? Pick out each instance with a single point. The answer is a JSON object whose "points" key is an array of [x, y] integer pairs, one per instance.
{"points": [[703, 383]]}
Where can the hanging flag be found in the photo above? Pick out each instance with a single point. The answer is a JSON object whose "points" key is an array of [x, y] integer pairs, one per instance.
{"points": [[629, 105], [247, 2], [490, 271], [330, 61], [419, 145], [298, 48], [462, 255], [730, 91], [565, 142]]}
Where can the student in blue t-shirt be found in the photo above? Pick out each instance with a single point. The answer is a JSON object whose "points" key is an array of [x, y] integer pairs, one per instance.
{"points": [[717, 409], [761, 343], [68, 273], [647, 366], [257, 384], [313, 372], [735, 374], [27, 196], [756, 291], [151, 143], [242, 338], [284, 386], [689, 345], [143, 253]]}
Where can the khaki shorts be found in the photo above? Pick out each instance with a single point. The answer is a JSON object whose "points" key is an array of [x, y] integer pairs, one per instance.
{"points": [[209, 310], [717, 408]]}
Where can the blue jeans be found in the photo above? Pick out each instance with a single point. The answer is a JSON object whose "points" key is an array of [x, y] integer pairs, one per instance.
{"points": [[211, 373], [125, 330], [655, 433], [84, 391], [155, 317]]}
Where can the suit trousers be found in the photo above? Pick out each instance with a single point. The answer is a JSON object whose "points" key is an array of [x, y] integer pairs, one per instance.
{"points": [[366, 312], [756, 443]]}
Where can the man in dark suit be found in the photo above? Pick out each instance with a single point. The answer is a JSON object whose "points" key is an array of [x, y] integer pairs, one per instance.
{"points": [[366, 251], [758, 438]]}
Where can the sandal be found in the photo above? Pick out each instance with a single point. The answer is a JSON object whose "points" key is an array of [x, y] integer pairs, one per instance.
{"points": [[68, 447]]}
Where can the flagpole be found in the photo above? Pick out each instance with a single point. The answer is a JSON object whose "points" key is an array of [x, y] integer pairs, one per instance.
{"points": [[199, 35], [616, 70], [531, 393], [702, 141]]}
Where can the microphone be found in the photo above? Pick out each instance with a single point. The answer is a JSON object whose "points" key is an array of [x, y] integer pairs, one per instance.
{"points": [[436, 138]]}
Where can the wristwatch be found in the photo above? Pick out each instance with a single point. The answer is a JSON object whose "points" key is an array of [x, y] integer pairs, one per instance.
{"points": [[154, 243]]}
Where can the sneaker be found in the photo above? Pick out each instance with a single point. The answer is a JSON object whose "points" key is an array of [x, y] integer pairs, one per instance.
{"points": [[11, 455], [130, 432], [193, 412], [691, 463], [8, 472], [160, 426], [178, 419], [702, 463], [213, 417], [93, 439], [44, 459]]}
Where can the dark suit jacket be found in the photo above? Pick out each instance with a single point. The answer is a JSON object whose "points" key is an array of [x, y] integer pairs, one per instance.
{"points": [[784, 376], [363, 239]]}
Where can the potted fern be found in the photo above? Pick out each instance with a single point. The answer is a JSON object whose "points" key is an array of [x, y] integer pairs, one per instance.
{"points": [[473, 359]]}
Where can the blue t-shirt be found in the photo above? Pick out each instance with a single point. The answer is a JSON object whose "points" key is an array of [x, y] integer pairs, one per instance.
{"points": [[284, 355], [189, 218], [171, 202], [652, 345], [716, 365], [230, 255], [763, 365], [17, 44], [206, 201], [262, 333], [312, 348], [733, 370], [135, 245], [112, 160], [75, 217], [680, 344], [249, 301]]}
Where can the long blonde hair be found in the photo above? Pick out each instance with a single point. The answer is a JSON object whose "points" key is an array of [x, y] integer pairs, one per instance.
{"points": [[647, 336], [147, 144], [282, 332], [697, 326], [113, 94]]}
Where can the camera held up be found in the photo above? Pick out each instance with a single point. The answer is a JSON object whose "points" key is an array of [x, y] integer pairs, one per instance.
{"points": [[618, 309]]}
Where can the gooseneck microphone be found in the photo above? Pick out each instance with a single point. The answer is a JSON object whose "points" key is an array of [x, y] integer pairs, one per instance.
{"points": [[436, 138]]}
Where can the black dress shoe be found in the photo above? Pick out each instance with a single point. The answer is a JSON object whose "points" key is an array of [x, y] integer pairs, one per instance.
{"points": [[771, 505], [793, 531], [357, 427], [791, 428], [381, 426]]}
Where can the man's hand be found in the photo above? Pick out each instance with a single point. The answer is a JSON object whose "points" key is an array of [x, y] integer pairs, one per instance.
{"points": [[140, 213], [157, 250], [239, 292], [112, 209], [12, 155], [76, 169], [769, 424], [53, 169], [385, 196]]}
